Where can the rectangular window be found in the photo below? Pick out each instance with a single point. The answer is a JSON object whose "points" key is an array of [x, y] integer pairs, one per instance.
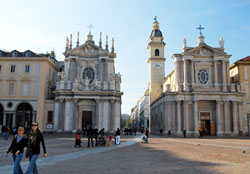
{"points": [[50, 116], [11, 89], [27, 68], [25, 89], [12, 69]]}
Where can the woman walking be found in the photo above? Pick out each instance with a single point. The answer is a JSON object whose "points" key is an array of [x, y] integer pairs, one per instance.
{"points": [[34, 139], [18, 143], [117, 136]]}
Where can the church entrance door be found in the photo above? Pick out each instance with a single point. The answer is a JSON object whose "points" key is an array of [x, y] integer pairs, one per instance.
{"points": [[86, 119], [205, 123]]}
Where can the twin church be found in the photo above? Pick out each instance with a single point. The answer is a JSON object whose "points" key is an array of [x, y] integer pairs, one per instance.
{"points": [[197, 94], [62, 96]]}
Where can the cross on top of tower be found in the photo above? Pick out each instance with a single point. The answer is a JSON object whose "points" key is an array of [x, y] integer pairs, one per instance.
{"points": [[155, 18], [90, 26], [200, 28]]}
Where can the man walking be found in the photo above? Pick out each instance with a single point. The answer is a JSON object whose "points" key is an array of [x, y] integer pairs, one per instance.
{"points": [[90, 133]]}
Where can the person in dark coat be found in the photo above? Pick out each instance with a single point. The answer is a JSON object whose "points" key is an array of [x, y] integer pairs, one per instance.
{"points": [[90, 134], [96, 135], [17, 148], [184, 133], [35, 137], [169, 133]]}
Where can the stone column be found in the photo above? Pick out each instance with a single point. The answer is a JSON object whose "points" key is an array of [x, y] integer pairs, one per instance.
{"points": [[240, 118], [196, 121], [224, 76], [57, 115], [112, 116], [177, 74], [173, 121], [68, 121], [215, 74], [227, 117], [178, 117], [33, 116], [105, 115], [4, 118], [185, 75], [100, 114], [118, 114], [61, 115], [76, 118], [192, 72], [218, 117], [165, 119], [14, 120], [235, 118], [187, 116], [169, 115]]}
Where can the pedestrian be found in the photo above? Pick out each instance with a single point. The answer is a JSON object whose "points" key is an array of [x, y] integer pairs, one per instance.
{"points": [[96, 135], [169, 133], [161, 132], [35, 137], [184, 132], [117, 136], [17, 147], [90, 133], [200, 132], [83, 132], [78, 139], [5, 133], [142, 130]]}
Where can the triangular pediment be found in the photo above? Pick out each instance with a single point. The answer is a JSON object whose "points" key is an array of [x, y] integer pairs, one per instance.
{"points": [[87, 50], [204, 51]]}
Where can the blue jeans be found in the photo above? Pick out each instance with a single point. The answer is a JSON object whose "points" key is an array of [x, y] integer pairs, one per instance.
{"points": [[5, 135], [32, 165], [17, 167]]}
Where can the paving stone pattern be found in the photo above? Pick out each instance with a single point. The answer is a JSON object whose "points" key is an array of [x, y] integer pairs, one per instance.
{"points": [[161, 155]]}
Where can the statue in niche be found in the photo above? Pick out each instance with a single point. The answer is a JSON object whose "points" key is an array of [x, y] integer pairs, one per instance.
{"points": [[86, 81], [118, 78], [112, 76], [75, 85], [62, 76], [58, 77], [97, 84]]}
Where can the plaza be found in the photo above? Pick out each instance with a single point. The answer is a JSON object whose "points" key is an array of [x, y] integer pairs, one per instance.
{"points": [[162, 155]]}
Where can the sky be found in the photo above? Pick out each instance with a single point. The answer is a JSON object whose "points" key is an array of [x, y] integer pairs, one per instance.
{"points": [[43, 25]]}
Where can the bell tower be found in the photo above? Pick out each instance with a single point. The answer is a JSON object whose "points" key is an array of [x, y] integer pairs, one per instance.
{"points": [[156, 62]]}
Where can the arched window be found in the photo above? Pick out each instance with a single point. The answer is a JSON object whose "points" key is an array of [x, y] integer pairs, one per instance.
{"points": [[157, 52]]}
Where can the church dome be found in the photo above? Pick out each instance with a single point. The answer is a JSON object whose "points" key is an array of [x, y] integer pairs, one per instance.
{"points": [[156, 33]]}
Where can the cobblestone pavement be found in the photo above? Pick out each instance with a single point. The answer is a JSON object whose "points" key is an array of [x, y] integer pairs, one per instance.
{"points": [[161, 155]]}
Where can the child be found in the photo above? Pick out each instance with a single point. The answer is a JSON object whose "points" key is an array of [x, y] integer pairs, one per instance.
{"points": [[78, 139], [110, 141]]}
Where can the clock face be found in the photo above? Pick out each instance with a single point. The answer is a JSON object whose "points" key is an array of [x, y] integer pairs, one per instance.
{"points": [[157, 66]]}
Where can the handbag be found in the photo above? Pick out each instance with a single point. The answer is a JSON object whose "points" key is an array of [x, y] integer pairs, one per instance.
{"points": [[28, 152]]}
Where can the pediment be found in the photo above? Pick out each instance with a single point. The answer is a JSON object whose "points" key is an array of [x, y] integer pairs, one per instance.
{"points": [[204, 51], [87, 50]]}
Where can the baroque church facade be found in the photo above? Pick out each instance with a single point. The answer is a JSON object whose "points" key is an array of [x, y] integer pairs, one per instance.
{"points": [[198, 94], [88, 90]]}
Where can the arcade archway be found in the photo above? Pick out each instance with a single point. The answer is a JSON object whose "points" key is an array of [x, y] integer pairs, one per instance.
{"points": [[24, 115]]}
